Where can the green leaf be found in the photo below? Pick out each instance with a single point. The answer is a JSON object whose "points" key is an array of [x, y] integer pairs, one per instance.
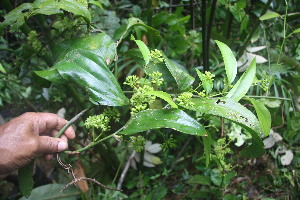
{"points": [[294, 32], [263, 115], [244, 83], [163, 95], [199, 179], [2, 69], [90, 72], [206, 83], [76, 8], [52, 191], [235, 112], [25, 179], [182, 78], [16, 17], [46, 7], [163, 118], [207, 148], [100, 44], [269, 15], [229, 109], [229, 61], [144, 50]]}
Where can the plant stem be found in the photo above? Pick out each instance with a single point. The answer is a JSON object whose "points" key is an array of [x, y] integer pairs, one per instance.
{"points": [[59, 134], [209, 28], [95, 143], [203, 16], [284, 33]]}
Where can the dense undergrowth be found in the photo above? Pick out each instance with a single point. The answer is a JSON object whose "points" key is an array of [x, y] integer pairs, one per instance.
{"points": [[184, 99]]}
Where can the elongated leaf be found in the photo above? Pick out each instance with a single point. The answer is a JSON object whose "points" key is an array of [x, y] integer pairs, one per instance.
{"points": [[294, 32], [229, 61], [243, 84], [46, 7], [100, 44], [182, 78], [263, 115], [89, 71], [163, 95], [52, 191], [207, 148], [144, 50], [206, 83], [269, 15], [25, 178], [235, 112], [163, 118]]}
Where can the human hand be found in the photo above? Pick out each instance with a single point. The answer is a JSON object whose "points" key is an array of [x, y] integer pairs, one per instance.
{"points": [[25, 137]]}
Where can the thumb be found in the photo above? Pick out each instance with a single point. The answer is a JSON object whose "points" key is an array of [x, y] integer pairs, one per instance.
{"points": [[51, 144]]}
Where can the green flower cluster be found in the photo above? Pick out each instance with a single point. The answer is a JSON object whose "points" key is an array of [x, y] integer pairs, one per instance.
{"points": [[184, 99], [102, 121], [137, 143], [156, 79], [33, 41], [156, 56], [221, 150], [169, 143]]}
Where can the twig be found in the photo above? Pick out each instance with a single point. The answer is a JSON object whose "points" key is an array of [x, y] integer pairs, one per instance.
{"points": [[122, 177], [74, 182], [59, 134]]}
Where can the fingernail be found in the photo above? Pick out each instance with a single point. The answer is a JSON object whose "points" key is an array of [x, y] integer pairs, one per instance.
{"points": [[62, 146]]}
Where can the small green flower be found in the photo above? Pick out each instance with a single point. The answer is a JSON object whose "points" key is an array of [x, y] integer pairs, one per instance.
{"points": [[132, 81], [156, 78], [185, 99], [137, 143], [156, 56], [98, 121]]}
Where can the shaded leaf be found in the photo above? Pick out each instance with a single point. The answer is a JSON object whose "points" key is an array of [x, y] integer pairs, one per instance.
{"points": [[254, 150], [243, 84], [269, 15], [263, 115], [229, 61], [76, 8], [182, 78], [163, 118], [207, 148], [89, 71], [25, 179], [163, 95], [52, 191], [100, 44], [206, 83]]}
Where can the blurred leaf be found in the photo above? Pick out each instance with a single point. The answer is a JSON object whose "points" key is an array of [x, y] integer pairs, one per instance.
{"points": [[199, 179], [207, 148], [158, 193], [269, 15], [25, 179], [263, 115], [244, 83], [229, 61], [182, 78], [52, 191], [100, 44], [254, 150], [89, 71], [163, 118], [46, 7], [2, 69], [76, 8], [163, 95], [144, 50], [294, 32]]}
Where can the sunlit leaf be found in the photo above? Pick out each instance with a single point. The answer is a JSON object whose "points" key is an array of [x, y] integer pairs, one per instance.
{"points": [[269, 15], [163, 95], [163, 118], [100, 44], [206, 83], [229, 61], [89, 71], [144, 50], [243, 84], [263, 115]]}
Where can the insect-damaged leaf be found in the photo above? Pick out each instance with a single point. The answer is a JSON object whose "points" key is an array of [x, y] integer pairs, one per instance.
{"points": [[89, 71], [100, 44], [235, 112], [163, 118]]}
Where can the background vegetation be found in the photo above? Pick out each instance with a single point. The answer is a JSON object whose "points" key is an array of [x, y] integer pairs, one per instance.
{"points": [[193, 37]]}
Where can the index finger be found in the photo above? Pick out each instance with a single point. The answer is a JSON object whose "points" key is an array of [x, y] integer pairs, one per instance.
{"points": [[47, 122]]}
